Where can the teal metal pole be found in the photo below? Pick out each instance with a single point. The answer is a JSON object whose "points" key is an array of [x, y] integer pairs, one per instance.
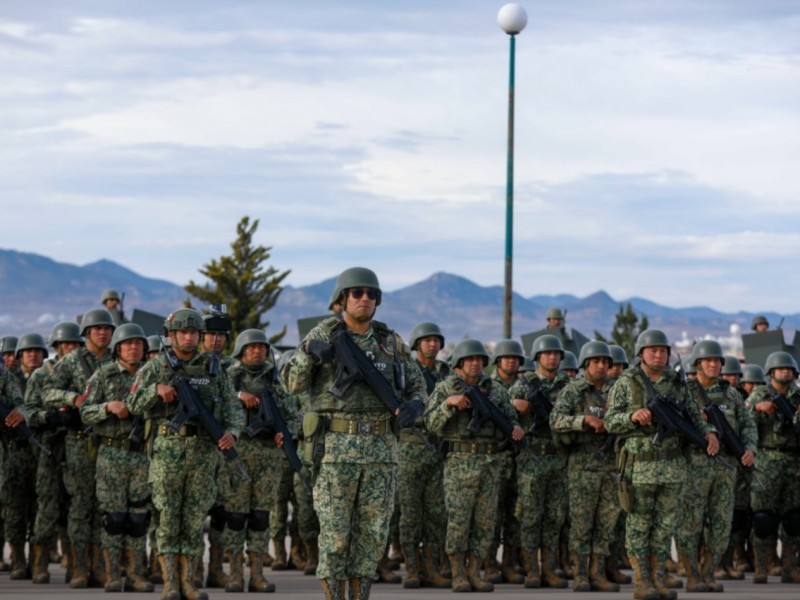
{"points": [[509, 199]]}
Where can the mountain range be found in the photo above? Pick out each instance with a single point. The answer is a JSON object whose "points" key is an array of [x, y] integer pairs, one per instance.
{"points": [[37, 292]]}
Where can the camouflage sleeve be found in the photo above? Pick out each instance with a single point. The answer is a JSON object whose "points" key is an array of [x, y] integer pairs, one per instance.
{"points": [[618, 417], [693, 411], [760, 394], [93, 409], [298, 372], [438, 413], [518, 391], [232, 410], [748, 432], [563, 417], [503, 400], [143, 392], [34, 409], [10, 394], [290, 410], [415, 388], [57, 391]]}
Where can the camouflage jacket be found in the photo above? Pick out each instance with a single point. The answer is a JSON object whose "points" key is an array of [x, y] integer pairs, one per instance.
{"points": [[254, 380], [771, 433], [34, 400], [730, 402], [578, 399], [70, 376], [526, 388], [110, 382]]}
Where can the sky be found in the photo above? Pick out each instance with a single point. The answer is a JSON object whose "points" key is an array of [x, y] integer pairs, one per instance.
{"points": [[656, 141]]}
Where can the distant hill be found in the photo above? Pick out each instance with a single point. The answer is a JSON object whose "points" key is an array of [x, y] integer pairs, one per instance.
{"points": [[38, 291]]}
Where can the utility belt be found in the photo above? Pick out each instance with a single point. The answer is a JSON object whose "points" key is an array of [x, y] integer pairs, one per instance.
{"points": [[407, 436], [542, 448], [14, 442], [473, 447], [77, 433], [655, 455], [360, 427], [187, 430], [122, 443]]}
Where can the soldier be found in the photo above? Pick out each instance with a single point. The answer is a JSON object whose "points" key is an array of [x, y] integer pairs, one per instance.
{"points": [[541, 469], [732, 370], [153, 346], [593, 502], [619, 364], [423, 518], [65, 390], [752, 377], [473, 462], [652, 476], [113, 303], [8, 350], [122, 466], [555, 318], [250, 502], [777, 501], [710, 484], [569, 365], [183, 462], [52, 501], [354, 489], [760, 324]]}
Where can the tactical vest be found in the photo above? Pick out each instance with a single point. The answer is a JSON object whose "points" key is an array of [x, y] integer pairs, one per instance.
{"points": [[638, 395], [770, 434], [208, 388], [457, 426], [591, 401], [551, 387], [117, 384], [253, 380]]}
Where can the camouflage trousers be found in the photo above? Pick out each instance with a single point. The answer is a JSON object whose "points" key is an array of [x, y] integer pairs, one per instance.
{"points": [[83, 520], [307, 521], [542, 499], [420, 491], [708, 507], [507, 527], [657, 509], [17, 490], [354, 503], [779, 492], [283, 483], [470, 495], [182, 482], [122, 488], [51, 498], [593, 505]]}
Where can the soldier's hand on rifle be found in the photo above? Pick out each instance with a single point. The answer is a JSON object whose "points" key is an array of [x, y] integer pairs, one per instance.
{"points": [[320, 351], [713, 444], [748, 458], [460, 401], [279, 439], [595, 423], [517, 433], [520, 405], [408, 412], [226, 442], [643, 416], [167, 392], [249, 400], [768, 406], [118, 409], [14, 419]]}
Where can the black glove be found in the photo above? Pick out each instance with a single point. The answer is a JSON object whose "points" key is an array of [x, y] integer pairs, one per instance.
{"points": [[320, 351], [409, 411], [52, 418]]}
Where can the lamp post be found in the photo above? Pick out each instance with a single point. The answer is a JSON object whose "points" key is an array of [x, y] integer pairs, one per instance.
{"points": [[511, 19]]}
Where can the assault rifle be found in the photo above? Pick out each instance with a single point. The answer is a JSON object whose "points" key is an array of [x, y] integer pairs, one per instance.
{"points": [[729, 437], [355, 366], [269, 418], [21, 431], [484, 409], [540, 404], [784, 412], [191, 407]]}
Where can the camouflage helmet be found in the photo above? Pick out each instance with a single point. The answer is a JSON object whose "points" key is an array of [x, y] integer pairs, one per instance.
{"points": [[753, 374], [66, 331], [780, 360], [555, 313], [759, 320], [569, 362], [355, 277], [546, 343], [247, 337], [97, 317], [109, 295], [127, 331], [731, 366], [8, 344], [466, 348], [423, 330], [30, 341], [706, 349], [618, 355], [594, 349], [153, 343], [508, 348], [650, 338], [527, 365], [184, 318]]}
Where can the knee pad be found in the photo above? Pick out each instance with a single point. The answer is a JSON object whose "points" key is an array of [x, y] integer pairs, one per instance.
{"points": [[765, 523], [791, 522], [236, 521], [114, 523], [137, 524], [741, 521], [218, 517], [258, 520]]}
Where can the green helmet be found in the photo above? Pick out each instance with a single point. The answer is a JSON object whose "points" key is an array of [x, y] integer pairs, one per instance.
{"points": [[355, 277], [594, 349], [184, 318], [780, 360], [527, 365], [555, 313], [247, 337], [423, 330], [568, 362], [689, 366], [8, 344], [618, 355], [153, 343], [547, 343], [759, 320], [650, 338], [31, 340], [466, 348], [66, 331], [731, 366], [508, 348], [706, 349], [109, 295], [753, 374], [96, 317], [127, 331]]}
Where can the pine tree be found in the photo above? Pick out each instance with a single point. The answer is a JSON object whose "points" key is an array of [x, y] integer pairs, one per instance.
{"points": [[627, 327], [242, 282]]}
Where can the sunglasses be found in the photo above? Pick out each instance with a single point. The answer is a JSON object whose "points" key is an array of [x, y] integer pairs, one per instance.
{"points": [[358, 293]]}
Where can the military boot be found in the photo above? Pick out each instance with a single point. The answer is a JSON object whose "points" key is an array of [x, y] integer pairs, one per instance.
{"points": [[790, 574], [257, 581], [155, 568], [19, 565], [333, 588], [113, 577], [761, 562], [597, 575], [135, 580], [741, 561], [613, 573], [580, 579], [564, 559], [530, 562], [67, 563], [40, 564], [188, 565], [459, 581], [236, 579], [359, 588], [491, 568], [268, 560], [80, 566], [658, 577], [312, 556], [473, 571], [508, 568], [297, 555], [411, 555], [549, 576], [280, 562], [725, 568], [694, 581], [445, 568], [385, 573], [216, 573], [4, 566], [169, 574], [429, 573], [642, 584], [707, 565], [774, 566]]}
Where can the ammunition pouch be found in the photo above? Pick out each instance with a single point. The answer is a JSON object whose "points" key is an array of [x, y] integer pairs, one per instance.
{"points": [[624, 483], [92, 446], [314, 427]]}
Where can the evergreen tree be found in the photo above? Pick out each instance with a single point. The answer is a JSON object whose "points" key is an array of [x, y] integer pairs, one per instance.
{"points": [[243, 282], [627, 327]]}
